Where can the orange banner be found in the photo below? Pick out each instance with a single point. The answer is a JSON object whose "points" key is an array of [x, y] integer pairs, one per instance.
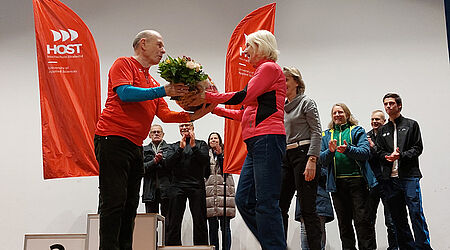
{"points": [[69, 83], [238, 72]]}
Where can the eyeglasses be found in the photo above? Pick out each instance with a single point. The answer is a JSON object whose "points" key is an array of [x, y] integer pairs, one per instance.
{"points": [[156, 132]]}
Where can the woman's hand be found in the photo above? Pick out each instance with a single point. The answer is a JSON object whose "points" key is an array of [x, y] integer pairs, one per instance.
{"points": [[205, 109], [217, 149], [310, 170], [332, 145], [192, 99]]}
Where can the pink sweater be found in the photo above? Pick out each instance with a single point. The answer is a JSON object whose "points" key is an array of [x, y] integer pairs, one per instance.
{"points": [[262, 99]]}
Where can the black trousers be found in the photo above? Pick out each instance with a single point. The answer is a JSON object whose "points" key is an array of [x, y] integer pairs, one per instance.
{"points": [[377, 194], [121, 169], [294, 165], [350, 204], [153, 206], [177, 206]]}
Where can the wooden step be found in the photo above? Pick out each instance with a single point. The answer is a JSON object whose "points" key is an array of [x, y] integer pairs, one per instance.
{"points": [[54, 241], [144, 236]]}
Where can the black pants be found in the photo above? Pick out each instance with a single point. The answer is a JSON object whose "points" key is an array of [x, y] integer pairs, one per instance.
{"points": [[293, 179], [121, 169], [213, 228], [377, 194], [153, 206], [177, 205], [350, 204]]}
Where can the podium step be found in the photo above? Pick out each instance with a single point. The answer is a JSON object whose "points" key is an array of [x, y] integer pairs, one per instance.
{"points": [[54, 241], [145, 232]]}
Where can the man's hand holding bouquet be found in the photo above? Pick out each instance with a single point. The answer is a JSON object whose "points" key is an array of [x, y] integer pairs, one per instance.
{"points": [[186, 71]]}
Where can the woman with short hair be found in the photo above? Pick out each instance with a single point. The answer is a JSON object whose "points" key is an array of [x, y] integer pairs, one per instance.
{"points": [[262, 121]]}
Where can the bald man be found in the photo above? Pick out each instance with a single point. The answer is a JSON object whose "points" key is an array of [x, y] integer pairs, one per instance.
{"points": [[377, 119], [134, 98]]}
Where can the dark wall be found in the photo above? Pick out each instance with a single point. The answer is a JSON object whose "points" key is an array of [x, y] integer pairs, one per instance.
{"points": [[447, 17]]}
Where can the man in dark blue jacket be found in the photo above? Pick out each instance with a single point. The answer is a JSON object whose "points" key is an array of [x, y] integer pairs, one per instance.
{"points": [[399, 147], [189, 160], [157, 175]]}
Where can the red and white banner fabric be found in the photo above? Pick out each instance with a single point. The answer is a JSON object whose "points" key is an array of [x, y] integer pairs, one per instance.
{"points": [[238, 72], [69, 83]]}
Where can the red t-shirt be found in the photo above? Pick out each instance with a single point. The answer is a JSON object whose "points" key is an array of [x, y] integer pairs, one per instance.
{"points": [[133, 120]]}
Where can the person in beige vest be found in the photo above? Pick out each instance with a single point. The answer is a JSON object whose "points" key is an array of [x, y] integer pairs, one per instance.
{"points": [[215, 195]]}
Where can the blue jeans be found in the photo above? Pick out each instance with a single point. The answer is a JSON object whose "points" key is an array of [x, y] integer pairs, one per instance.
{"points": [[258, 191], [213, 223], [304, 238], [402, 193]]}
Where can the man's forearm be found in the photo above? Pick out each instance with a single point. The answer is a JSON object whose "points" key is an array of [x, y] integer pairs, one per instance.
{"points": [[128, 93]]}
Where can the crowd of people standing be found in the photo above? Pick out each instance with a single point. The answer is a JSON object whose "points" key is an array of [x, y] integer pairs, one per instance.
{"points": [[288, 153]]}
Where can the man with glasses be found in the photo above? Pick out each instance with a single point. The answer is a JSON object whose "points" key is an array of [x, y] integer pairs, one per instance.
{"points": [[157, 175], [189, 161]]}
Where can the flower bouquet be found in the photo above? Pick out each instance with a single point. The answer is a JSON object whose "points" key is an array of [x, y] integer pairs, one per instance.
{"points": [[187, 71]]}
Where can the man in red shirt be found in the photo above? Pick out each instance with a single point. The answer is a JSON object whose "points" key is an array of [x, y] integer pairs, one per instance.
{"points": [[134, 98]]}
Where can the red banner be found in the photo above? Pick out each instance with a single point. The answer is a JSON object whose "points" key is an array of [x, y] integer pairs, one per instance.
{"points": [[69, 83], [238, 72]]}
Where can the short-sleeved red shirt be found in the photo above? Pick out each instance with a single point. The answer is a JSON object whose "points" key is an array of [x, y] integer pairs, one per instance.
{"points": [[133, 120]]}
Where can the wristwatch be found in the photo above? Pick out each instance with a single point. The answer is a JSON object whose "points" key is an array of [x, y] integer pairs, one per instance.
{"points": [[313, 158]]}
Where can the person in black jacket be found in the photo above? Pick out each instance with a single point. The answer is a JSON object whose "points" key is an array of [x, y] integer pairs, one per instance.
{"points": [[377, 120], [399, 145], [189, 161], [156, 174]]}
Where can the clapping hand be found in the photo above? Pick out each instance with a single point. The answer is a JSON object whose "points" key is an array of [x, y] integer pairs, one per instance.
{"points": [[183, 141], [394, 156], [158, 157], [217, 149], [371, 143], [332, 145], [188, 137], [341, 149], [192, 136]]}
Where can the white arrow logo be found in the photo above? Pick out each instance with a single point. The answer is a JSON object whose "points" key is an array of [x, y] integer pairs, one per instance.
{"points": [[72, 34]]}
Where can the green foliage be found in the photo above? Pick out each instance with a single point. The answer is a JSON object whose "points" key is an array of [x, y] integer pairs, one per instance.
{"points": [[182, 70]]}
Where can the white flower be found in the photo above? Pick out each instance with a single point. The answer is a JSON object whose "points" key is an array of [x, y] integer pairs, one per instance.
{"points": [[197, 67], [191, 65]]}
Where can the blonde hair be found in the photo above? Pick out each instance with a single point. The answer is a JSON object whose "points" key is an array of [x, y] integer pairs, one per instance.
{"points": [[265, 43], [350, 118], [295, 74], [379, 111]]}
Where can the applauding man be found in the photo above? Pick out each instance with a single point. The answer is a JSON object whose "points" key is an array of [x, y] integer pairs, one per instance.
{"points": [[399, 147], [189, 162]]}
